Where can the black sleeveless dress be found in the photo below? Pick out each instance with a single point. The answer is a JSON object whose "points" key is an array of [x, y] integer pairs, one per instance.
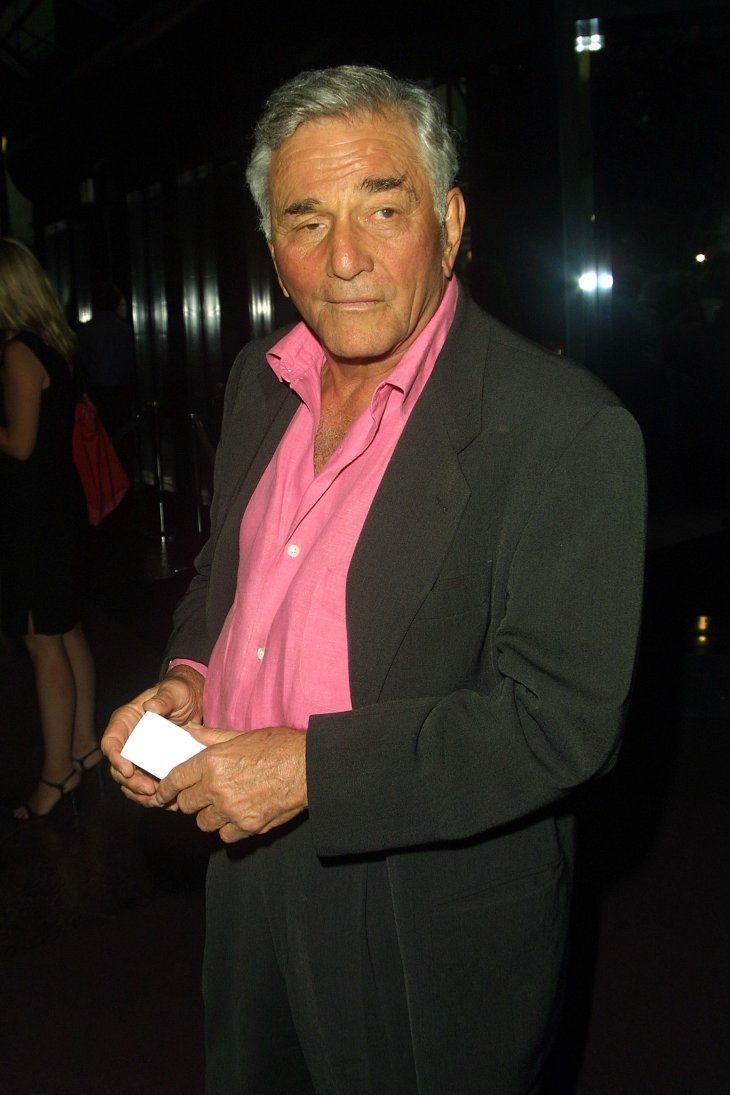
{"points": [[43, 523]]}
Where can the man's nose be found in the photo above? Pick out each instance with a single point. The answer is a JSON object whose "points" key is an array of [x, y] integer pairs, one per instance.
{"points": [[349, 252]]}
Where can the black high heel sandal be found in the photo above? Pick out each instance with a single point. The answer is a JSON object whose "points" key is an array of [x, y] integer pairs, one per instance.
{"points": [[83, 768], [67, 796]]}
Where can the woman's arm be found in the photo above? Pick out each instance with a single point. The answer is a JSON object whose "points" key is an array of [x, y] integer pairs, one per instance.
{"points": [[23, 380]]}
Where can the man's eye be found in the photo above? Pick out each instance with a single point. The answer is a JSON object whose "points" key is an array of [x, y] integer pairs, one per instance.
{"points": [[386, 213], [310, 226]]}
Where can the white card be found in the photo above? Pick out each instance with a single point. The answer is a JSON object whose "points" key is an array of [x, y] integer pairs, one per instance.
{"points": [[157, 745]]}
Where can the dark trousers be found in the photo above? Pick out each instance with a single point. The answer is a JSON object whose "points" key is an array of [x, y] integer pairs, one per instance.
{"points": [[305, 985]]}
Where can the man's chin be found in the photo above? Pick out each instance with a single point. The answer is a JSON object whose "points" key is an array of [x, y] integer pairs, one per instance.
{"points": [[358, 345], [351, 355]]}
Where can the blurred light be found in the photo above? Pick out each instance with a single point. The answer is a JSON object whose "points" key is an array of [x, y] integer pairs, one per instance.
{"points": [[588, 37], [701, 257], [591, 280], [211, 303], [84, 315], [703, 623], [5, 144], [701, 638], [261, 307]]}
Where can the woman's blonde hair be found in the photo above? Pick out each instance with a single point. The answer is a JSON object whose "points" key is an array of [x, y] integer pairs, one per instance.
{"points": [[28, 300]]}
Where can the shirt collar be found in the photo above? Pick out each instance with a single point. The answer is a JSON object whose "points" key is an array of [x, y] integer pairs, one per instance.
{"points": [[299, 356]]}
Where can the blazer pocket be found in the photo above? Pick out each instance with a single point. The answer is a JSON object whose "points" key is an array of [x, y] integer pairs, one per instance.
{"points": [[443, 647], [455, 599], [513, 887]]}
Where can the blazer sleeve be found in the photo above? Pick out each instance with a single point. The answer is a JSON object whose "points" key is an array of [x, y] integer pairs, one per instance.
{"points": [[416, 771]]}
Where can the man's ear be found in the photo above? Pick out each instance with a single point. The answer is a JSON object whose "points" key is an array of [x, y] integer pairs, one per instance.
{"points": [[454, 218], [276, 268]]}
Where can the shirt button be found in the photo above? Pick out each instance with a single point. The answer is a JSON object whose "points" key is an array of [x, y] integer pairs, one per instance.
{"points": [[293, 550], [260, 653]]}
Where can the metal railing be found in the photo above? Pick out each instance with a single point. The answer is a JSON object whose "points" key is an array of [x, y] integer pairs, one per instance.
{"points": [[147, 420]]}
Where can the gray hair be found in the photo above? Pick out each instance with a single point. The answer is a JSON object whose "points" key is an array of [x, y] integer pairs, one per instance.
{"points": [[349, 91]]}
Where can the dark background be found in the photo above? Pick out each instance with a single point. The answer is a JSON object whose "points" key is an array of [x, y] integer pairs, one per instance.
{"points": [[127, 128]]}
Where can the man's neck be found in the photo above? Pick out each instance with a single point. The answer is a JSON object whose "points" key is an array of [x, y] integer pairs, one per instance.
{"points": [[346, 392], [343, 382]]}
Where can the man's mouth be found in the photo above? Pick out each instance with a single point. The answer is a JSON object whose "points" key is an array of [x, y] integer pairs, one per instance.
{"points": [[355, 305]]}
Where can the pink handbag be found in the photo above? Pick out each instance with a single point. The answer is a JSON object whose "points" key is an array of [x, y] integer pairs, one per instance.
{"points": [[103, 478]]}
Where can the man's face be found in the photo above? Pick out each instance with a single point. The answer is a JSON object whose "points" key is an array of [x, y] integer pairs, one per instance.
{"points": [[355, 237]]}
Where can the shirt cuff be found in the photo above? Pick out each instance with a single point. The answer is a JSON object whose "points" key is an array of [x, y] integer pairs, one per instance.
{"points": [[201, 668]]}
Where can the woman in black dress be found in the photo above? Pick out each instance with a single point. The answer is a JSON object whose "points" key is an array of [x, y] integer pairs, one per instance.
{"points": [[43, 523]]}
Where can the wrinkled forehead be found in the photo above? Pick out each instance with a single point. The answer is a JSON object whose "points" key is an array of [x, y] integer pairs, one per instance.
{"points": [[347, 145]]}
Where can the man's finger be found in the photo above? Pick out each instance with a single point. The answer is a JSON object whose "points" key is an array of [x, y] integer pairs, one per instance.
{"points": [[180, 778], [230, 833], [162, 703], [208, 735], [209, 820]]}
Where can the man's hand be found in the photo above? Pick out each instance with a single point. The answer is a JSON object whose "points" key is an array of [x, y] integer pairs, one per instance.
{"points": [[241, 784], [179, 697]]}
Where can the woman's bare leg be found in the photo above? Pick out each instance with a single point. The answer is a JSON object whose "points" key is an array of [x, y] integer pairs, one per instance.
{"points": [[56, 692], [81, 660]]}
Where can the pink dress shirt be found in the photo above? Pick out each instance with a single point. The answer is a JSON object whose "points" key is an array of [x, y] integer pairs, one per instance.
{"points": [[282, 653]]}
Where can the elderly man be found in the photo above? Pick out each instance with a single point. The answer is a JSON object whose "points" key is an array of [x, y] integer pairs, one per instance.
{"points": [[410, 636]]}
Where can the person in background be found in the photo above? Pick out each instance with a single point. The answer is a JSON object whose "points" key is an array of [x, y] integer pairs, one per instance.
{"points": [[410, 637], [107, 358], [43, 524]]}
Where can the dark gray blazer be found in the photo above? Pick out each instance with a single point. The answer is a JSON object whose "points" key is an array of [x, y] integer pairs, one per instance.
{"points": [[493, 607]]}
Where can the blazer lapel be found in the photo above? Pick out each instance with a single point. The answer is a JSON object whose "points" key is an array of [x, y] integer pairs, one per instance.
{"points": [[413, 518]]}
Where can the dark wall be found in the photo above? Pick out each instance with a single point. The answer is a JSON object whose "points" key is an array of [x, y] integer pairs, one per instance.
{"points": [[559, 159], [183, 101], [514, 185]]}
